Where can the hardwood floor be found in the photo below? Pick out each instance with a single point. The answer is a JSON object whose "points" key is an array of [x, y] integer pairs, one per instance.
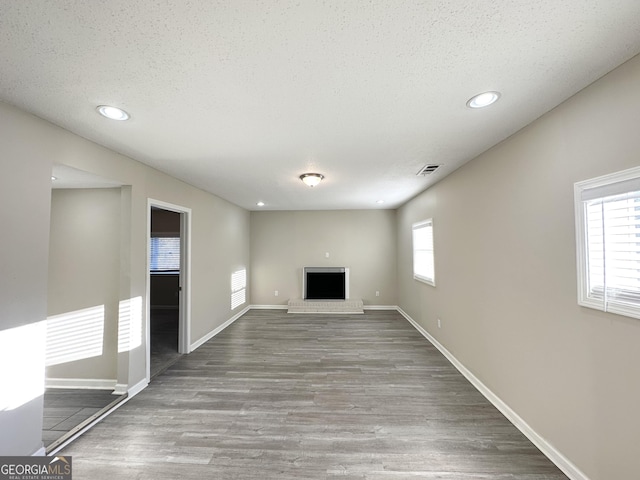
{"points": [[284, 396], [164, 339]]}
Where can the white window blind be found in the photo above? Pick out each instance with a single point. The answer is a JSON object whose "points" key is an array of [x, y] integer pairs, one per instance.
{"points": [[423, 252], [608, 227], [165, 254]]}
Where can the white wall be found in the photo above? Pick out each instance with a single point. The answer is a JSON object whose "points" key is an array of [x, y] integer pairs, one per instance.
{"points": [[24, 215], [506, 278], [28, 148], [282, 242], [84, 274]]}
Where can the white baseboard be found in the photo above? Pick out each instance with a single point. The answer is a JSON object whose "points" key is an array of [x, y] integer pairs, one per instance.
{"points": [[41, 452], [217, 330], [120, 389], [137, 388], [562, 462], [81, 383]]}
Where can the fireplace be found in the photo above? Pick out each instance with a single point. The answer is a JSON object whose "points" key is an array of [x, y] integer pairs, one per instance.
{"points": [[325, 283]]}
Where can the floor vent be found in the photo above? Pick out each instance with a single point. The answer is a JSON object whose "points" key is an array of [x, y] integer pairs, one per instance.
{"points": [[428, 169]]}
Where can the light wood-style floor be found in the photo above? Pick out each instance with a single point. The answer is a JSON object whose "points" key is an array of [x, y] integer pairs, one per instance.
{"points": [[282, 396]]}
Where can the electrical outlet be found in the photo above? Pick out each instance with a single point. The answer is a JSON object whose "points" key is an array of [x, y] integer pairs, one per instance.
{"points": [[439, 324], [377, 293], [276, 293]]}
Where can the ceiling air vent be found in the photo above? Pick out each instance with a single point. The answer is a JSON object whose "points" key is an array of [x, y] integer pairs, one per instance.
{"points": [[428, 169]]}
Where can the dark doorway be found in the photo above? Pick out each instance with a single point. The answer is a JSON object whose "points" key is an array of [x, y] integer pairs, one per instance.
{"points": [[164, 298]]}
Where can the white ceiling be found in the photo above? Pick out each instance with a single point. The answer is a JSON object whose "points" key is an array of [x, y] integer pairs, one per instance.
{"points": [[240, 97], [63, 176]]}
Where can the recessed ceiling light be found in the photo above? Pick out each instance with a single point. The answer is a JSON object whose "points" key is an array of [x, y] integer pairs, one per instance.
{"points": [[260, 204], [380, 202], [483, 99], [113, 113], [311, 179], [53, 178]]}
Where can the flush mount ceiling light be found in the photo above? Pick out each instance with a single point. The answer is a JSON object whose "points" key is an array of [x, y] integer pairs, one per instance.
{"points": [[113, 113], [311, 179], [483, 99]]}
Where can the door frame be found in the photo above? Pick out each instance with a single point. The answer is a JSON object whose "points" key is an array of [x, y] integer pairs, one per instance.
{"points": [[184, 296]]}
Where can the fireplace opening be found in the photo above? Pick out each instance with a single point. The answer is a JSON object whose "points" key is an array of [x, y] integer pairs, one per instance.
{"points": [[325, 283]]}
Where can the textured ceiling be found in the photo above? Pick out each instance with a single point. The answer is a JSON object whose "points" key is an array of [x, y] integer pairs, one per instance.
{"points": [[63, 176], [241, 97]]}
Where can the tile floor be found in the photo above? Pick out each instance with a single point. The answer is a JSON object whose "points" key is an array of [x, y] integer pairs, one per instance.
{"points": [[65, 409]]}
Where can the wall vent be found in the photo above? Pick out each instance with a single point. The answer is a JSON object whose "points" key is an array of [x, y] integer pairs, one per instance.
{"points": [[428, 169]]}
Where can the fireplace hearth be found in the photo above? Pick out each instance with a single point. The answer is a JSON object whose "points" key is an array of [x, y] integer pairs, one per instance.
{"points": [[325, 290]]}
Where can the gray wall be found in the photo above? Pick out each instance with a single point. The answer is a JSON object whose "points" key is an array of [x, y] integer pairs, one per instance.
{"points": [[284, 242], [506, 278], [84, 271], [220, 247], [28, 148]]}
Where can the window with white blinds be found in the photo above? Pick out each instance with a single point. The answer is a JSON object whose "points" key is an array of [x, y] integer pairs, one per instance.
{"points": [[423, 255], [608, 235], [165, 254]]}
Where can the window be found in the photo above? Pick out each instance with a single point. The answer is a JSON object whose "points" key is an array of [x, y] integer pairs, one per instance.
{"points": [[608, 242], [423, 263], [165, 254]]}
